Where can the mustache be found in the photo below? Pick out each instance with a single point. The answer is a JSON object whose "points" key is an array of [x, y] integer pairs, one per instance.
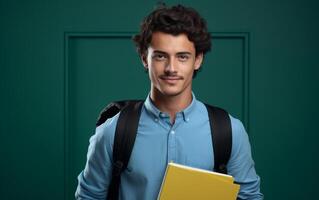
{"points": [[171, 76]]}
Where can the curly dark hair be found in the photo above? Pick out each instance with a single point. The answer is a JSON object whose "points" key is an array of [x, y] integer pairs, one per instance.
{"points": [[174, 20]]}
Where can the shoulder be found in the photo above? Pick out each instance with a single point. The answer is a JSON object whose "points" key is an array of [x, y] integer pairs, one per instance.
{"points": [[239, 134], [200, 108], [238, 129], [237, 125], [104, 134], [240, 139]]}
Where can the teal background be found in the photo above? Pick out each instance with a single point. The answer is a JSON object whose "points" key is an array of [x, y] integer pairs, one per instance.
{"points": [[61, 62]]}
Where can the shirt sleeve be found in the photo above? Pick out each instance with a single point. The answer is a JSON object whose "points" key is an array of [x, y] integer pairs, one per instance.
{"points": [[241, 165], [94, 180]]}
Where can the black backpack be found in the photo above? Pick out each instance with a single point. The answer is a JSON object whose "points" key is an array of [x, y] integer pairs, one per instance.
{"points": [[126, 130]]}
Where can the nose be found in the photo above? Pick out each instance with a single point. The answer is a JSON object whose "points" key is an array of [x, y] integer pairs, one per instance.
{"points": [[171, 66]]}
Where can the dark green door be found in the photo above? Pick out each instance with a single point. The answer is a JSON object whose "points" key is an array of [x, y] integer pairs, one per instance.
{"points": [[62, 62]]}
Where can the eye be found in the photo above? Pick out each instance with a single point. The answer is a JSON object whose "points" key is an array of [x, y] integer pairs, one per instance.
{"points": [[159, 57], [183, 57]]}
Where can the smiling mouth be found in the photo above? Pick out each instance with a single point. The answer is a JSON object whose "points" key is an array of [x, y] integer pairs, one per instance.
{"points": [[171, 79]]}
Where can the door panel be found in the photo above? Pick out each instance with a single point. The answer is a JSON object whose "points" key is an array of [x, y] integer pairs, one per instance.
{"points": [[101, 68]]}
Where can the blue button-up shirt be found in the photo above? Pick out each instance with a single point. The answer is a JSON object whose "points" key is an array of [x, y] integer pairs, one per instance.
{"points": [[187, 141]]}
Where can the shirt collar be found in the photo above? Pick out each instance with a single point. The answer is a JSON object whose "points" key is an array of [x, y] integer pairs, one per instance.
{"points": [[150, 107]]}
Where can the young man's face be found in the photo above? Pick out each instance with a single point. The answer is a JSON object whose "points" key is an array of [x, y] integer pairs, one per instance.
{"points": [[171, 61]]}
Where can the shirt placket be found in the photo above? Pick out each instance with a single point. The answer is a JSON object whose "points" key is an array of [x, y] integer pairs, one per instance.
{"points": [[171, 143], [171, 151]]}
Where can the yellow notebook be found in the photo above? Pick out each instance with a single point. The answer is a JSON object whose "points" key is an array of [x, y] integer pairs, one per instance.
{"points": [[188, 183]]}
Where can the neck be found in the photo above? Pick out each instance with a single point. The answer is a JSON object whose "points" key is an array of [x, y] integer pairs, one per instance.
{"points": [[171, 104]]}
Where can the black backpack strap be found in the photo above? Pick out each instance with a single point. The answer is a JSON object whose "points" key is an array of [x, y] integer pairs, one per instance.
{"points": [[112, 109], [124, 139], [221, 131]]}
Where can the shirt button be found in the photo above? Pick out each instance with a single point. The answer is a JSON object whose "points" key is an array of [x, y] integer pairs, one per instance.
{"points": [[156, 119], [187, 119], [173, 132]]}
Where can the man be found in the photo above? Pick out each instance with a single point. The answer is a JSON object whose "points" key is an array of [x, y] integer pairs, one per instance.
{"points": [[174, 125]]}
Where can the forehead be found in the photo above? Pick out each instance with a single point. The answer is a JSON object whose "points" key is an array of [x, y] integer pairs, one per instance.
{"points": [[171, 43]]}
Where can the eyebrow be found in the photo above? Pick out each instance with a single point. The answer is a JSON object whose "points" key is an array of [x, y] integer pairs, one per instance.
{"points": [[178, 53]]}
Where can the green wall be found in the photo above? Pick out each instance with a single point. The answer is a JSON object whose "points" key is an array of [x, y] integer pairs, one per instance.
{"points": [[62, 61]]}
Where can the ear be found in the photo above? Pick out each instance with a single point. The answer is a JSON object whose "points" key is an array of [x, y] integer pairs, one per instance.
{"points": [[198, 60], [144, 61]]}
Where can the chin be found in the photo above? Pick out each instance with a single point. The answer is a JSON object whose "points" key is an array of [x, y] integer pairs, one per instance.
{"points": [[171, 92]]}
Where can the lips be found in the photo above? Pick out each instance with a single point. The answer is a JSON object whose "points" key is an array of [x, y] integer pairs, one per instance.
{"points": [[171, 79]]}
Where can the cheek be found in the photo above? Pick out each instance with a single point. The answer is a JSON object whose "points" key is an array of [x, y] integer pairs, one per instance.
{"points": [[188, 69], [153, 74], [156, 68]]}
